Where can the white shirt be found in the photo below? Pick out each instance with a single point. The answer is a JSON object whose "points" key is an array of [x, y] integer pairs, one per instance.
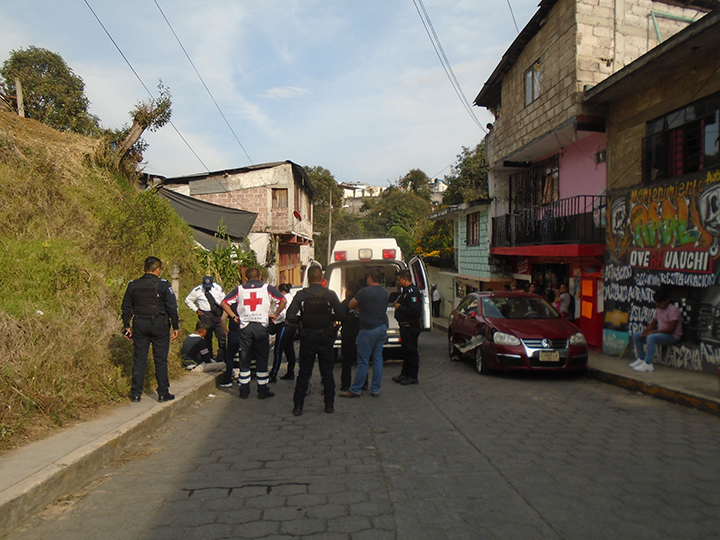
{"points": [[281, 316], [197, 295]]}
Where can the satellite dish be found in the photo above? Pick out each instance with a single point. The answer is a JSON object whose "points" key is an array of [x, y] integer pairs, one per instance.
{"points": [[297, 215]]}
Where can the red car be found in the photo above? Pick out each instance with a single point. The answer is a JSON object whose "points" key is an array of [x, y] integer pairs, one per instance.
{"points": [[514, 331]]}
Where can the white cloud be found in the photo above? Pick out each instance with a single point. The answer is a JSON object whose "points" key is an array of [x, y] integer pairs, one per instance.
{"points": [[285, 92]]}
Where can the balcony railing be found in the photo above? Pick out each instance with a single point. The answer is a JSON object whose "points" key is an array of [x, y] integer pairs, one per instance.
{"points": [[577, 220]]}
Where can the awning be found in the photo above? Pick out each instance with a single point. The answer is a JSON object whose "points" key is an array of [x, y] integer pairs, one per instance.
{"points": [[204, 218]]}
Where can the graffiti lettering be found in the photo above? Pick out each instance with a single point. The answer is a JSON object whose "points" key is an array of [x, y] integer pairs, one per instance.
{"points": [[653, 280], [616, 292], [650, 195], [641, 294], [680, 356], [687, 261], [710, 354], [663, 224], [641, 314], [712, 177], [674, 278], [687, 280], [617, 273]]}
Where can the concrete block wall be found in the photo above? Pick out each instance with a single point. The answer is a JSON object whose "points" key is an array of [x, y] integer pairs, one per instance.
{"points": [[554, 47], [613, 33], [626, 126], [581, 43]]}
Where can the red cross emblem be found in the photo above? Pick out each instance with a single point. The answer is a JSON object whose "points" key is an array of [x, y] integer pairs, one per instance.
{"points": [[253, 301]]}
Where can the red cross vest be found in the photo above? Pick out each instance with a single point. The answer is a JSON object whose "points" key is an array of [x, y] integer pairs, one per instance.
{"points": [[253, 305]]}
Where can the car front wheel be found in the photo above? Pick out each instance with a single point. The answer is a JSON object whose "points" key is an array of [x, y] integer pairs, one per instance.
{"points": [[481, 364], [453, 353]]}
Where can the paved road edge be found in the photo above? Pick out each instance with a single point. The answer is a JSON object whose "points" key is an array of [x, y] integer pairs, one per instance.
{"points": [[675, 396], [65, 475]]}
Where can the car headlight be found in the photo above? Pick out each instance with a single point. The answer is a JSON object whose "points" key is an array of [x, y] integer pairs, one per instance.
{"points": [[501, 338], [578, 339]]}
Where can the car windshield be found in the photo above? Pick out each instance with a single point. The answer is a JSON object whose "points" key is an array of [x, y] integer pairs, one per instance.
{"points": [[520, 307]]}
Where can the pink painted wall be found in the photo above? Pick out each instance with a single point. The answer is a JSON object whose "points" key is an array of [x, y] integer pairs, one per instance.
{"points": [[579, 174]]}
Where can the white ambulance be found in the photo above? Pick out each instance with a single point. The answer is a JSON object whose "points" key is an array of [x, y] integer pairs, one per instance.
{"points": [[351, 260]]}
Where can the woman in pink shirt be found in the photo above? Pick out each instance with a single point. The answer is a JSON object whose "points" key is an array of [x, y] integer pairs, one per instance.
{"points": [[664, 329]]}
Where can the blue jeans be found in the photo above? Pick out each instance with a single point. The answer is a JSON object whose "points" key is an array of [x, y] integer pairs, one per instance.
{"points": [[652, 341], [369, 345]]}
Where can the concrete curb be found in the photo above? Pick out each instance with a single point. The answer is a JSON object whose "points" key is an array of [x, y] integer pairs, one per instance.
{"points": [[24, 498], [681, 397], [677, 388]]}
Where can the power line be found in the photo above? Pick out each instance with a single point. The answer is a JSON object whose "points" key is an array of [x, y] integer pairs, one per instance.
{"points": [[513, 16], [201, 80], [435, 40], [141, 81]]}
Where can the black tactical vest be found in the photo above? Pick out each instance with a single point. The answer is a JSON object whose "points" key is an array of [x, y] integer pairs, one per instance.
{"points": [[316, 311], [146, 301]]}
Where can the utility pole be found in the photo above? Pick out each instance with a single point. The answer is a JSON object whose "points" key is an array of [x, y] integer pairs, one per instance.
{"points": [[329, 230]]}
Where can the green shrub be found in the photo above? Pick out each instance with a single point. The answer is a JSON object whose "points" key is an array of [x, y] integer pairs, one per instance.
{"points": [[74, 233]]}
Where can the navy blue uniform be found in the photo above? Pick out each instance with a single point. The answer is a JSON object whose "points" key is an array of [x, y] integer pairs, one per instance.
{"points": [[408, 316], [151, 304], [316, 339]]}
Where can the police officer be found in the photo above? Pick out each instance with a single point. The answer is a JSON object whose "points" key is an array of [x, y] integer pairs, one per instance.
{"points": [[205, 300], [316, 309], [408, 313], [151, 303]]}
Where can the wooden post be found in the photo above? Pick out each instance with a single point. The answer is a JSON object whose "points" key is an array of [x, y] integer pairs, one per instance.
{"points": [[19, 94], [176, 278]]}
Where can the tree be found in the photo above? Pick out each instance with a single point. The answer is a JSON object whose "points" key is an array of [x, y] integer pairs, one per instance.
{"points": [[436, 243], [152, 114], [344, 225], [52, 93], [468, 180], [417, 182], [399, 214]]}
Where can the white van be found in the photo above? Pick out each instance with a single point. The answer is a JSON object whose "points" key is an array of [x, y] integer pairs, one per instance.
{"points": [[351, 260]]}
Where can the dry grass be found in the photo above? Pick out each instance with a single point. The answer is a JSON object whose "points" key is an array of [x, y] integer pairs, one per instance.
{"points": [[69, 243]]}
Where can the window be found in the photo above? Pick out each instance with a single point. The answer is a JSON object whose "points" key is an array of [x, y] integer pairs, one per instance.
{"points": [[279, 198], [473, 229], [532, 83], [683, 141], [537, 185]]}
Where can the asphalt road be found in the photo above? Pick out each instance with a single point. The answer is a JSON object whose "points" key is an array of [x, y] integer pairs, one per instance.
{"points": [[460, 456]]}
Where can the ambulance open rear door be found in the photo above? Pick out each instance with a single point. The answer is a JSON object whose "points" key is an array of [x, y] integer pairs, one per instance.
{"points": [[420, 280]]}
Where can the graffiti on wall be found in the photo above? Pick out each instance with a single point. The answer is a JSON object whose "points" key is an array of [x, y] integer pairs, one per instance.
{"points": [[666, 235]]}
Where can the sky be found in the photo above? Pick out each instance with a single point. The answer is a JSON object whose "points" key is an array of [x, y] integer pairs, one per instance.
{"points": [[352, 86]]}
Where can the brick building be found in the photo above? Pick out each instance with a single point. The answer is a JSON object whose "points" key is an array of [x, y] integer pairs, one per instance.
{"points": [[548, 148], [280, 194]]}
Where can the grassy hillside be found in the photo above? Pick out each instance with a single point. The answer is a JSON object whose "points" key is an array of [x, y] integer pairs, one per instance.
{"points": [[73, 233]]}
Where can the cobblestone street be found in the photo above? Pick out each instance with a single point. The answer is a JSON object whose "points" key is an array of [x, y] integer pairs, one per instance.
{"points": [[459, 456]]}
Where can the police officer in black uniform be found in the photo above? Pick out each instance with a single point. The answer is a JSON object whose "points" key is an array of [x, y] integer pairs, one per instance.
{"points": [[316, 309], [408, 313], [151, 303]]}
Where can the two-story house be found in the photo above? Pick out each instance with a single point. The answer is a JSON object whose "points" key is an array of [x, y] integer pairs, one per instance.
{"points": [[547, 149], [663, 197], [280, 194]]}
